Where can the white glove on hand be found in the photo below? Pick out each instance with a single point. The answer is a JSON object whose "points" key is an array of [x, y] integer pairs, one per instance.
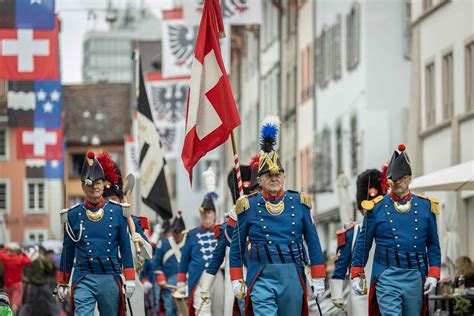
{"points": [[317, 287], [136, 237], [239, 288], [63, 292], [205, 283], [430, 285], [147, 285], [129, 288], [356, 287], [181, 288]]}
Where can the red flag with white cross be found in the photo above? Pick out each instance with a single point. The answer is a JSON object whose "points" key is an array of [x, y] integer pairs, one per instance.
{"points": [[211, 111], [27, 54], [39, 143]]}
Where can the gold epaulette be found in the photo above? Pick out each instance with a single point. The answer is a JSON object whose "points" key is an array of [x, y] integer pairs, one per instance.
{"points": [[434, 203], [306, 200], [242, 204], [368, 205]]}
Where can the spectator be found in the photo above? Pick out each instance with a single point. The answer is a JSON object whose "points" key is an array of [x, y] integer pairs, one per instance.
{"points": [[464, 267], [14, 260], [5, 309], [38, 298]]}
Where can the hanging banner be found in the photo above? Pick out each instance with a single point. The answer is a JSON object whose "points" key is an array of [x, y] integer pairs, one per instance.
{"points": [[234, 12], [178, 43]]}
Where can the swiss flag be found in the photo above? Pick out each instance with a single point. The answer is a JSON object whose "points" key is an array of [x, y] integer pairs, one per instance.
{"points": [[39, 143], [211, 113], [27, 54]]}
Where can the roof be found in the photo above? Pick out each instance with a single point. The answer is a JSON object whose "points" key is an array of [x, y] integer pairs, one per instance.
{"points": [[96, 111]]}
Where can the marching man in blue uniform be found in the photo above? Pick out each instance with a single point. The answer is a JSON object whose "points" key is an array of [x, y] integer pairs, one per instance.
{"points": [[275, 222], [166, 260], [407, 255], [197, 253], [94, 231], [224, 232], [113, 192], [369, 185]]}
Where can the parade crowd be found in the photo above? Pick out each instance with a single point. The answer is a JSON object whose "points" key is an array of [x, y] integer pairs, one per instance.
{"points": [[108, 265]]}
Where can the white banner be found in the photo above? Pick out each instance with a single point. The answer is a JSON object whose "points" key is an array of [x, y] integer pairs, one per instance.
{"points": [[132, 156], [171, 136], [178, 42], [235, 12]]}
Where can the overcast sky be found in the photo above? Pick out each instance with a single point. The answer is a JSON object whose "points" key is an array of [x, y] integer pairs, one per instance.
{"points": [[76, 21]]}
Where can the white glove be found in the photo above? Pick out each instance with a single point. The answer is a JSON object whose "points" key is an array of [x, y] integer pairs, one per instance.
{"points": [[317, 287], [63, 292], [205, 283], [181, 288], [147, 285], [136, 237], [33, 253], [129, 288], [356, 286], [336, 293], [430, 285], [239, 288]]}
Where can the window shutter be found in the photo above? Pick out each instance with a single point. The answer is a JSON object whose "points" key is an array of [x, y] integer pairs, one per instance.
{"points": [[337, 48]]}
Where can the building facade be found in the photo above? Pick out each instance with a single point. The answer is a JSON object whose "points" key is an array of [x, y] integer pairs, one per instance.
{"points": [[361, 97], [442, 104]]}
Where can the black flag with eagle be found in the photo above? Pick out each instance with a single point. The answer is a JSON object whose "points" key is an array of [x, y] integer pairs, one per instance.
{"points": [[153, 186]]}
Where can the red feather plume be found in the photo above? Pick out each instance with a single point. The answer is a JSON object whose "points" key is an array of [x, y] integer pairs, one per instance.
{"points": [[254, 161], [109, 167], [383, 179]]}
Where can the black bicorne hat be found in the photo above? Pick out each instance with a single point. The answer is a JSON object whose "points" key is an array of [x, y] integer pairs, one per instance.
{"points": [[91, 169], [368, 186], [208, 202], [269, 160], [178, 224], [233, 184], [399, 165]]}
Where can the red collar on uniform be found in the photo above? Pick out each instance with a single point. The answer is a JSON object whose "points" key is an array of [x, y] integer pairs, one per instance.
{"points": [[89, 205], [267, 196], [207, 228], [396, 198]]}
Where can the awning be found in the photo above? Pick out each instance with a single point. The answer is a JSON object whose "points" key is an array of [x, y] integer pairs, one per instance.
{"points": [[454, 178]]}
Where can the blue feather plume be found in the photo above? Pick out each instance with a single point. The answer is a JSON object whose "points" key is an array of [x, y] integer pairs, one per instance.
{"points": [[269, 133]]}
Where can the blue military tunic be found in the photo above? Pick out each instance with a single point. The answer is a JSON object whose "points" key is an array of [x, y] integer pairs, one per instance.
{"points": [[96, 248], [276, 237], [219, 251], [166, 259], [403, 240], [196, 255], [345, 239]]}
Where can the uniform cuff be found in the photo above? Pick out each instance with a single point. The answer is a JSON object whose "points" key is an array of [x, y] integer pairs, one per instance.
{"points": [[236, 274], [160, 277], [231, 222], [181, 277], [356, 272], [129, 273], [434, 272], [63, 278], [318, 271]]}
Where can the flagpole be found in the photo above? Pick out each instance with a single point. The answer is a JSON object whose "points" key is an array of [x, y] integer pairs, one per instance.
{"points": [[237, 165]]}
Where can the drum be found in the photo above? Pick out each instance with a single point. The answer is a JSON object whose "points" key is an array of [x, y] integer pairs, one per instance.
{"points": [[181, 302]]}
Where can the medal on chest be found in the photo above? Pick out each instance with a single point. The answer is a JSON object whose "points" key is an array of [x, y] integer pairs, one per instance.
{"points": [[402, 208], [95, 216], [275, 209]]}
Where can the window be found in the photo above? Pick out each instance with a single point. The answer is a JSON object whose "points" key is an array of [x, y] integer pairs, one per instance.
{"points": [[323, 162], [354, 146], [448, 86], [36, 235], [4, 196], [75, 165], [3, 144], [35, 194], [339, 148], [469, 76], [353, 36], [336, 42], [406, 24], [430, 94], [427, 4], [323, 57]]}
